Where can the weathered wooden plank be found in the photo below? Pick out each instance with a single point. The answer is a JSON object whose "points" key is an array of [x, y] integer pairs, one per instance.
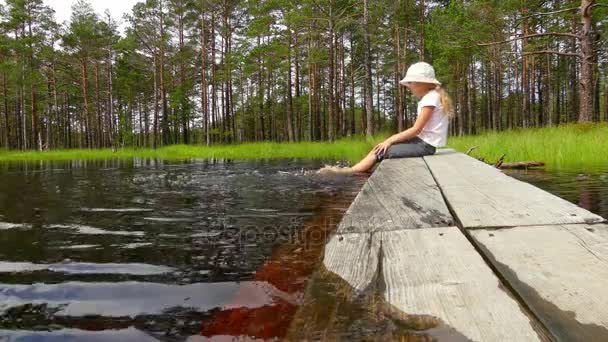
{"points": [[400, 194], [437, 274], [482, 196], [421, 284], [353, 257], [560, 271]]}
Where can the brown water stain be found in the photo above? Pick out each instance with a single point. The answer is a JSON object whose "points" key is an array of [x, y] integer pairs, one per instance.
{"points": [[333, 310], [288, 270]]}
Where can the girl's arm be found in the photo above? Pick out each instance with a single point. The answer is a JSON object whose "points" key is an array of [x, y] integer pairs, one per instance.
{"points": [[412, 132]]}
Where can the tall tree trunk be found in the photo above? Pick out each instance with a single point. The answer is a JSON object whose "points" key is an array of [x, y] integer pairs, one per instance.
{"points": [[460, 97], [146, 122], [343, 113], [22, 113], [331, 129], [56, 102], [587, 58], [472, 100], [318, 127], [231, 108], [398, 108], [222, 86], [378, 88], [226, 72], [311, 91], [422, 33], [163, 92], [369, 105], [299, 133], [290, 132], [352, 129], [574, 88], [497, 91], [261, 94], [36, 138], [110, 103], [271, 119], [140, 111], [185, 117], [549, 91], [204, 104], [525, 77], [100, 126], [156, 109], [47, 141], [213, 76], [85, 96], [7, 131]]}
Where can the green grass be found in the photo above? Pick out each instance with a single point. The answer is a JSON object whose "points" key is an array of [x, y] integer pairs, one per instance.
{"points": [[572, 146], [345, 149]]}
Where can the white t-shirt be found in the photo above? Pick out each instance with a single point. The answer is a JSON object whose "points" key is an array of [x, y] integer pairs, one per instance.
{"points": [[435, 132]]}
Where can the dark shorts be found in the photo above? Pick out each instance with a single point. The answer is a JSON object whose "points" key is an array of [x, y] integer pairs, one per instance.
{"points": [[414, 147]]}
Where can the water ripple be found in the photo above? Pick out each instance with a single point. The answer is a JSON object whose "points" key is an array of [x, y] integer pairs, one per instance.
{"points": [[85, 268]]}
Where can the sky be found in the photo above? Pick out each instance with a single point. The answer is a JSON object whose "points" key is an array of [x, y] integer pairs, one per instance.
{"points": [[63, 8]]}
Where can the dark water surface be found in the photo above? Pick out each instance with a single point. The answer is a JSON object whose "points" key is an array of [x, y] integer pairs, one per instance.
{"points": [[585, 188], [145, 250]]}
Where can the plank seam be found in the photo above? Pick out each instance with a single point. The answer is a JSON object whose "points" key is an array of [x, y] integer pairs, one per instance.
{"points": [[397, 230], [502, 280], [492, 228]]}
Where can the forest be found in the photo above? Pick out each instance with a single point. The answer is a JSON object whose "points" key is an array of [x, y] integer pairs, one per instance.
{"points": [[227, 71]]}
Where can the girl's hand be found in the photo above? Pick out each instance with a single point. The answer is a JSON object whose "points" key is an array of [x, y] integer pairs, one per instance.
{"points": [[382, 147]]}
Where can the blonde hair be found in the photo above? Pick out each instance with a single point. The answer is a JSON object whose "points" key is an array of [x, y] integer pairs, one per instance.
{"points": [[446, 101]]}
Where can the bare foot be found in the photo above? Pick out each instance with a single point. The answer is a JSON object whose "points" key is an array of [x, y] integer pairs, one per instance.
{"points": [[335, 170]]}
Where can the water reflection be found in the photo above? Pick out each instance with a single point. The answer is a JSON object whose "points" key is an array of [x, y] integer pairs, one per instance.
{"points": [[68, 335], [84, 268], [131, 299], [585, 188]]}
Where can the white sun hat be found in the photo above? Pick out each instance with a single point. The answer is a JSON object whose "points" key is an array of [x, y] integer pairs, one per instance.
{"points": [[420, 72]]}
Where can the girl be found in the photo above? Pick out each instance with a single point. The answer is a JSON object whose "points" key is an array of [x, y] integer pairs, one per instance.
{"points": [[429, 131]]}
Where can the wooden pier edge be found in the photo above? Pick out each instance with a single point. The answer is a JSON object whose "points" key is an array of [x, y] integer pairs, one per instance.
{"points": [[391, 259], [559, 271]]}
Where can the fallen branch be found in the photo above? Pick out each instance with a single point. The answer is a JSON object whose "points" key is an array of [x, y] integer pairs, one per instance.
{"points": [[521, 165], [499, 161]]}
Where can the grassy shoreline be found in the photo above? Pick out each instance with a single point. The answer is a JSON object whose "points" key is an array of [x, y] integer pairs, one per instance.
{"points": [[566, 146], [345, 149]]}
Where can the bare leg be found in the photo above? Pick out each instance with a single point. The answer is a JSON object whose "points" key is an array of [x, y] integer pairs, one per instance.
{"points": [[366, 163], [363, 166]]}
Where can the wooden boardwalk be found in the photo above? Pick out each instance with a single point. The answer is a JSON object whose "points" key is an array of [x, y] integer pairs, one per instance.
{"points": [[448, 248]]}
